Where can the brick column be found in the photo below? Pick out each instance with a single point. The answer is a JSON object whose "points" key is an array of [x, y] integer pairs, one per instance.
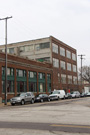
{"points": [[46, 82], [27, 81], [37, 84], [15, 82], [0, 81]]}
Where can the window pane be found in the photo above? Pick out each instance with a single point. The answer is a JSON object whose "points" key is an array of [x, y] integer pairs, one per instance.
{"points": [[69, 66], [62, 65], [55, 48], [74, 68], [68, 54], [55, 62], [73, 56], [74, 80], [62, 51], [63, 78], [11, 50], [69, 79]]}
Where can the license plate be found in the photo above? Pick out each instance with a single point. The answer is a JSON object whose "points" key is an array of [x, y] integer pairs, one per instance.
{"points": [[13, 102]]}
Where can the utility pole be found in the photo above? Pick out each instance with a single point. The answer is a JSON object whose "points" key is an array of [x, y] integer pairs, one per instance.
{"points": [[6, 56], [81, 57]]}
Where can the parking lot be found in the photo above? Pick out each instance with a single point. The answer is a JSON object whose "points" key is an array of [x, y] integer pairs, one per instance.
{"points": [[63, 117]]}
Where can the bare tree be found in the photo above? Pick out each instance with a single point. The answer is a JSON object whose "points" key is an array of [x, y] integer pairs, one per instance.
{"points": [[85, 73]]}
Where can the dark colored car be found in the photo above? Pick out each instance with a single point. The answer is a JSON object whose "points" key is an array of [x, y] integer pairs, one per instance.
{"points": [[42, 97], [68, 96]]}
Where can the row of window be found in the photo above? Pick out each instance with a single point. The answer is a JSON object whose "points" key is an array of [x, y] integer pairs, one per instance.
{"points": [[28, 48], [22, 86], [62, 52], [64, 77], [22, 83], [63, 65], [22, 73]]}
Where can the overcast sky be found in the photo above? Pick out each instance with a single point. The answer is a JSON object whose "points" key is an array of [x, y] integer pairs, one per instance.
{"points": [[66, 20]]}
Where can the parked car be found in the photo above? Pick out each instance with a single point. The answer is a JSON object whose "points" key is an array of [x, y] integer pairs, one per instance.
{"points": [[23, 98], [57, 94], [75, 94], [68, 96], [83, 94], [88, 94], [42, 97]]}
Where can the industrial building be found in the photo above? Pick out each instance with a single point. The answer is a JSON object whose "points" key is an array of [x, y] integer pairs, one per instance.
{"points": [[56, 60]]}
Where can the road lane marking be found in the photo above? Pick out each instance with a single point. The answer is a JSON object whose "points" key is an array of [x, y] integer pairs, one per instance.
{"points": [[70, 126]]}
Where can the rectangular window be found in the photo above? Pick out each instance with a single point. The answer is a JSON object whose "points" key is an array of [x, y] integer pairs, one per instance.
{"points": [[55, 48], [74, 80], [62, 65], [69, 66], [41, 75], [74, 68], [42, 46], [73, 56], [49, 76], [21, 86], [22, 49], [10, 86], [69, 79], [55, 63], [62, 51], [21, 73], [11, 50], [33, 86], [10, 71], [41, 87], [63, 78], [68, 54]]}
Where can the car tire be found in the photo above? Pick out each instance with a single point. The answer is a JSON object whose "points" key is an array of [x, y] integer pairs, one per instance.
{"points": [[41, 100], [22, 102], [32, 101], [12, 104]]}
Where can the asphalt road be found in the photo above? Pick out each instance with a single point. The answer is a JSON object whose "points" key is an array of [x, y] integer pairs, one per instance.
{"points": [[62, 117]]}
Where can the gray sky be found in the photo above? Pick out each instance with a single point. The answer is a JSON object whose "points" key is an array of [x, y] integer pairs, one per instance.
{"points": [[67, 20]]}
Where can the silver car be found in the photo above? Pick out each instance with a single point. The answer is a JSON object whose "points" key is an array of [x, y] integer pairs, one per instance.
{"points": [[23, 98], [75, 94]]}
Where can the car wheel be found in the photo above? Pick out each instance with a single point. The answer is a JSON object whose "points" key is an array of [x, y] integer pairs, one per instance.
{"points": [[12, 104], [41, 100], [32, 101], [22, 102], [48, 99]]}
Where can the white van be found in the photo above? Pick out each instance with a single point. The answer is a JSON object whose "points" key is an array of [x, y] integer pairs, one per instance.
{"points": [[57, 94]]}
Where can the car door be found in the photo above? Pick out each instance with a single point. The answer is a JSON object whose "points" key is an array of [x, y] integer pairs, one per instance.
{"points": [[45, 97], [28, 97]]}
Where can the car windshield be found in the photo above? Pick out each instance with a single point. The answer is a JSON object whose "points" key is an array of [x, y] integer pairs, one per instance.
{"points": [[39, 95], [56, 92], [21, 95]]}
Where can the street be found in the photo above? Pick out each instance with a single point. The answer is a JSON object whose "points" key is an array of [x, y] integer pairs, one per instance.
{"points": [[63, 117]]}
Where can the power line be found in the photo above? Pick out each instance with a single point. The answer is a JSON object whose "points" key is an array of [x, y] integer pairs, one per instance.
{"points": [[81, 57]]}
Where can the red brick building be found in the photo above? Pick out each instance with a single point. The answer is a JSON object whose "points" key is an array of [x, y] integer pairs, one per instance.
{"points": [[24, 75]]}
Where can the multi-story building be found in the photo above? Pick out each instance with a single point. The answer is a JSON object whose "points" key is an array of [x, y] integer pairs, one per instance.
{"points": [[62, 57]]}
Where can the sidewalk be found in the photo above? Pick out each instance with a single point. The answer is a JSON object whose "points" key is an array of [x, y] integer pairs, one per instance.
{"points": [[2, 104]]}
